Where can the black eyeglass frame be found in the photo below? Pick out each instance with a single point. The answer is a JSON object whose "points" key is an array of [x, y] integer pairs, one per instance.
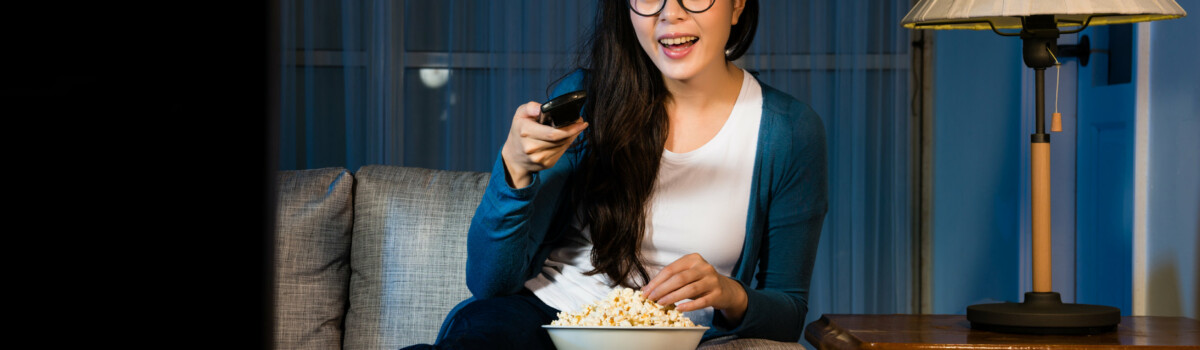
{"points": [[629, 3]]}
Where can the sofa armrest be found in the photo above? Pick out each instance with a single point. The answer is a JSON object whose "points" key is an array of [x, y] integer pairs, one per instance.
{"points": [[312, 257]]}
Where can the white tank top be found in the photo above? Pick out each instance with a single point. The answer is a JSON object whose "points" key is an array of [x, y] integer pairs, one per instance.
{"points": [[699, 204]]}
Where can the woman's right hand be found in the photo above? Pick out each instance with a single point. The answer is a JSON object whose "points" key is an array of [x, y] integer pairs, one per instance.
{"points": [[532, 146]]}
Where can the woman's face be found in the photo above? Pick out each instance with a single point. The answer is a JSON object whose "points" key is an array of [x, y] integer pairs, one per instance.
{"points": [[683, 44]]}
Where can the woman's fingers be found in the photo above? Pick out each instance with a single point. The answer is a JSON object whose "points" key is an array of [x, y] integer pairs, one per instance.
{"points": [[530, 110], [670, 282], [689, 277], [546, 153], [532, 146], [533, 109], [684, 285], [575, 128], [528, 129], [531, 129], [681, 264], [697, 303], [546, 141]]}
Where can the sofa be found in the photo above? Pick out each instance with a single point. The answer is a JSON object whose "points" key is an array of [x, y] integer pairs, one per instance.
{"points": [[374, 259]]}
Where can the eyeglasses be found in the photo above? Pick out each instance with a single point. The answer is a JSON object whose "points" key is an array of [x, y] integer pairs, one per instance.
{"points": [[647, 8]]}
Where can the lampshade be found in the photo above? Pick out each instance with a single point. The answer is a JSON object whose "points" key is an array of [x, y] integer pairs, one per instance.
{"points": [[1006, 14]]}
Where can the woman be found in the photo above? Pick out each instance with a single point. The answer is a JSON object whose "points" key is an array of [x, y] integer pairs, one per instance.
{"points": [[686, 178]]}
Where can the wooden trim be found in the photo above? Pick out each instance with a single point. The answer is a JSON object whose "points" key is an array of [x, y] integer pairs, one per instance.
{"points": [[923, 172], [1141, 170]]}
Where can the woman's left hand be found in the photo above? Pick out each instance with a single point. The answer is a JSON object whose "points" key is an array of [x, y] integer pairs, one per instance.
{"points": [[691, 277]]}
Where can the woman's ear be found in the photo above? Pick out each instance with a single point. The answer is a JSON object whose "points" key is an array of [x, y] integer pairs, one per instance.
{"points": [[738, 6]]}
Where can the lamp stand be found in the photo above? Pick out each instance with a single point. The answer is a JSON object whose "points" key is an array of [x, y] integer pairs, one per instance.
{"points": [[1043, 311]]}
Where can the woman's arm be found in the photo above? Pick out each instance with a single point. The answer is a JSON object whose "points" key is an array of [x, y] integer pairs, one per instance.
{"points": [[510, 225], [507, 230], [777, 303]]}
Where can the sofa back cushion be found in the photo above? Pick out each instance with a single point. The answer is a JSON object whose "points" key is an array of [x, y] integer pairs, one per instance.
{"points": [[409, 253], [312, 257]]}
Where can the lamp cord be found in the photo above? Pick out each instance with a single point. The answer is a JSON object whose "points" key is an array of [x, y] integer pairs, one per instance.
{"points": [[1057, 76]]}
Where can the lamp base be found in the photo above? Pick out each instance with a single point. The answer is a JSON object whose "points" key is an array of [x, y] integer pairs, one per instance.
{"points": [[1044, 313]]}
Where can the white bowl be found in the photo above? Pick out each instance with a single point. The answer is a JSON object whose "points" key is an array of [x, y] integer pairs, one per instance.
{"points": [[630, 338]]}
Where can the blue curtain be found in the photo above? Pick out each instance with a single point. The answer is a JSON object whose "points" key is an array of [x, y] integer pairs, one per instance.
{"points": [[430, 84], [434, 84], [850, 61]]}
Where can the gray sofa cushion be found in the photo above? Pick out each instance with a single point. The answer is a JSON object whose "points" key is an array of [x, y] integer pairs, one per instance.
{"points": [[409, 253], [312, 262]]}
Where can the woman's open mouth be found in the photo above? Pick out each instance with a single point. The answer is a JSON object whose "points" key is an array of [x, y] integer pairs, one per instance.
{"points": [[676, 48]]}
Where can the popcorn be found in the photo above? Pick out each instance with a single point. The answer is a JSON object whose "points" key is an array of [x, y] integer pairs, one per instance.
{"points": [[624, 307]]}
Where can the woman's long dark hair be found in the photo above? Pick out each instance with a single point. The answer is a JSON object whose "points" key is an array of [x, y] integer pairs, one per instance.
{"points": [[625, 139]]}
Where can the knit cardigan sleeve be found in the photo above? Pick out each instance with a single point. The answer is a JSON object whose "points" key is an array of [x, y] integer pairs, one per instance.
{"points": [[511, 234], [791, 202]]}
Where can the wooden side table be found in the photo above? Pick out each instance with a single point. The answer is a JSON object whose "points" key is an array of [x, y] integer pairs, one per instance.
{"points": [[954, 332]]}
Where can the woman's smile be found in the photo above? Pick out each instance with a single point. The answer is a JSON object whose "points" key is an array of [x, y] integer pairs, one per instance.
{"points": [[677, 45]]}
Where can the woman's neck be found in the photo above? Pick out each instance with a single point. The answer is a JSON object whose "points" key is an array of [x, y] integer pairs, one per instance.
{"points": [[698, 108], [716, 86]]}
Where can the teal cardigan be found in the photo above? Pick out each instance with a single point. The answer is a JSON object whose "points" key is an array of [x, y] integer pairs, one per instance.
{"points": [[514, 230]]}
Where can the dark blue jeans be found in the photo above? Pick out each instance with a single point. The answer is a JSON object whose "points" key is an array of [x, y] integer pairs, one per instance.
{"points": [[507, 322]]}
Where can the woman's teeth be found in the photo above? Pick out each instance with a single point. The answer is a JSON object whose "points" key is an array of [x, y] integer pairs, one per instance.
{"points": [[677, 41]]}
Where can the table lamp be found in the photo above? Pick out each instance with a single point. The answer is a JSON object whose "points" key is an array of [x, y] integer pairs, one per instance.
{"points": [[1042, 311]]}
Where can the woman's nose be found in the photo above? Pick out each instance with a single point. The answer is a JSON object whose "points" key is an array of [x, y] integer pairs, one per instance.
{"points": [[672, 12]]}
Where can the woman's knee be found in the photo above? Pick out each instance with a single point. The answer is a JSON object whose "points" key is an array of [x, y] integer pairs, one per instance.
{"points": [[509, 320]]}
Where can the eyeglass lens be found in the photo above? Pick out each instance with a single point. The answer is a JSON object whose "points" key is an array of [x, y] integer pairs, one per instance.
{"points": [[653, 7]]}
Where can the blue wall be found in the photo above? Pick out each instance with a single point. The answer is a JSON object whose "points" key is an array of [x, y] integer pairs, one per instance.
{"points": [[1174, 174], [977, 144], [1105, 169]]}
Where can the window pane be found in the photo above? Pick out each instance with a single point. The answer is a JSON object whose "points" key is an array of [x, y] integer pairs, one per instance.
{"points": [[325, 27], [495, 26]]}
